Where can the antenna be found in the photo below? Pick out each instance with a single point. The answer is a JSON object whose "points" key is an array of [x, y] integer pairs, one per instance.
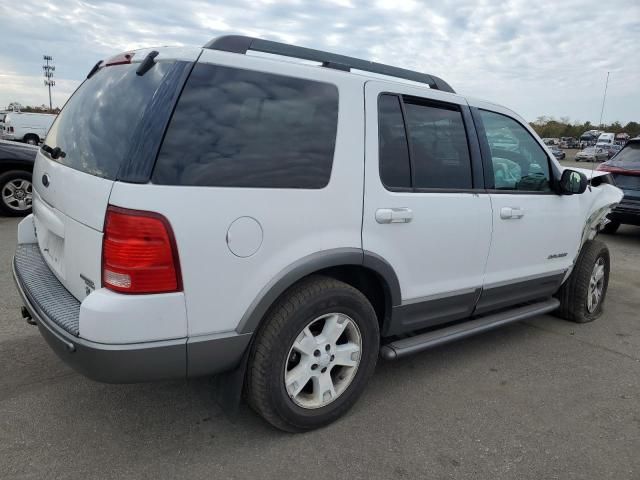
{"points": [[604, 97], [48, 75], [595, 159]]}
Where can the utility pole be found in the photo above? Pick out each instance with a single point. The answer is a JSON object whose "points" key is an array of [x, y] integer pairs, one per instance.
{"points": [[48, 75], [603, 99]]}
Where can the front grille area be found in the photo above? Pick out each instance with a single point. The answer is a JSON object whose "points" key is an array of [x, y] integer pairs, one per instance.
{"points": [[45, 290]]}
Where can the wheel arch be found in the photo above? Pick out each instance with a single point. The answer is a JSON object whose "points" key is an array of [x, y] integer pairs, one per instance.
{"points": [[11, 164], [366, 271]]}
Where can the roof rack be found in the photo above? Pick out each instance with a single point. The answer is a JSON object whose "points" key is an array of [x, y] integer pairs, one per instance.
{"points": [[241, 44]]}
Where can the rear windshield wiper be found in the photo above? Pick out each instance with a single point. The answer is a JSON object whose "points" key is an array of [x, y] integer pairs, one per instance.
{"points": [[54, 153], [147, 63]]}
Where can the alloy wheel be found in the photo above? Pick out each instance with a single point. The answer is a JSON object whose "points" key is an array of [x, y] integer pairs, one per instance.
{"points": [[17, 194], [323, 360]]}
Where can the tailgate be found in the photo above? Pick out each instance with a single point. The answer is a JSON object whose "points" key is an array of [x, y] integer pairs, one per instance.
{"points": [[68, 216], [113, 123]]}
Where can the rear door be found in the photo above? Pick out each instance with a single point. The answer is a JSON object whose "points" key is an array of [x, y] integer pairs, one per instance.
{"points": [[536, 232], [110, 127], [425, 211]]}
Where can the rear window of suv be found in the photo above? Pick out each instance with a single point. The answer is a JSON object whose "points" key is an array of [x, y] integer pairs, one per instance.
{"points": [[111, 114], [242, 128]]}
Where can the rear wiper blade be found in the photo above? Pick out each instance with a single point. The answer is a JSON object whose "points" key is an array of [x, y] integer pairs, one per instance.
{"points": [[95, 68], [54, 153], [147, 63]]}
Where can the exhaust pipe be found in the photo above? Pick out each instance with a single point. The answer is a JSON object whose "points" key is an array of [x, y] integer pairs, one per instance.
{"points": [[27, 316]]}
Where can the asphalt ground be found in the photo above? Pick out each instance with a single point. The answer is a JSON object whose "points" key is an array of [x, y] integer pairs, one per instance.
{"points": [[541, 399]]}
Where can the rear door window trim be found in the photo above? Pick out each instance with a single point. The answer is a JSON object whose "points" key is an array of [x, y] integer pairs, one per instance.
{"points": [[473, 146]]}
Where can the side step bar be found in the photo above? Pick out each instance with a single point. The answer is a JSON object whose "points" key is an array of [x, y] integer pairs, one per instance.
{"points": [[410, 345]]}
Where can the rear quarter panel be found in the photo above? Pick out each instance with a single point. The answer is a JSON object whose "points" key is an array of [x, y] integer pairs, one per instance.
{"points": [[219, 286]]}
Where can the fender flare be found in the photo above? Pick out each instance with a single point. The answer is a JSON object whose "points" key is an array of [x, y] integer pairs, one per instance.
{"points": [[313, 263]]}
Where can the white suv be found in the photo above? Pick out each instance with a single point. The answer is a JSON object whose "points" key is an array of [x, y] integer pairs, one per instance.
{"points": [[199, 211]]}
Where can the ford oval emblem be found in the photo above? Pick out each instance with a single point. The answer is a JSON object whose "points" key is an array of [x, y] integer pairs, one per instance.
{"points": [[45, 180]]}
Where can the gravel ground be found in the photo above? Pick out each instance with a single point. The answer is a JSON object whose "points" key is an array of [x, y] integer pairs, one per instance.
{"points": [[539, 399]]}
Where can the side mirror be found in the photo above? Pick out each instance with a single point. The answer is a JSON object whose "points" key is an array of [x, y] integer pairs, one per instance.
{"points": [[572, 182]]}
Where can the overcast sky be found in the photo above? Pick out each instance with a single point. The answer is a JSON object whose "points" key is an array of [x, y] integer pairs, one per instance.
{"points": [[537, 57]]}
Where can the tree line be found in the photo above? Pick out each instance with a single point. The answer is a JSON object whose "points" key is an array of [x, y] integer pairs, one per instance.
{"points": [[29, 109], [549, 127]]}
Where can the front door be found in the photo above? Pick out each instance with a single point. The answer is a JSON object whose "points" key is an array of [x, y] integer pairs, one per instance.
{"points": [[425, 211], [536, 232]]}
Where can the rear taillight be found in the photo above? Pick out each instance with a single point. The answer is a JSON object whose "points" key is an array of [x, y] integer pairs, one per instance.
{"points": [[139, 253], [10, 129]]}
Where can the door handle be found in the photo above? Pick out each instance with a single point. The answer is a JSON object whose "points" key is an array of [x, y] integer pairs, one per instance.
{"points": [[394, 215], [508, 213]]}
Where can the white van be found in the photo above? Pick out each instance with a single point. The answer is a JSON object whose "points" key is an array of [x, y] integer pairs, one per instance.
{"points": [[606, 139], [26, 127]]}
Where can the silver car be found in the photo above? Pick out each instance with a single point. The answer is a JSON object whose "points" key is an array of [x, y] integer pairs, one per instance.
{"points": [[592, 154]]}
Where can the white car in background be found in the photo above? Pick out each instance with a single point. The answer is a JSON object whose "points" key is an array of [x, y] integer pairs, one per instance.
{"points": [[26, 127]]}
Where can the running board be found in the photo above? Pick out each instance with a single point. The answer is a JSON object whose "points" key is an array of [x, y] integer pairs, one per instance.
{"points": [[410, 345]]}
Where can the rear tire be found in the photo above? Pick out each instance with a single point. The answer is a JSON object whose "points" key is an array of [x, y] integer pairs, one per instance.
{"points": [[582, 296], [16, 193], [293, 338], [611, 227], [32, 139]]}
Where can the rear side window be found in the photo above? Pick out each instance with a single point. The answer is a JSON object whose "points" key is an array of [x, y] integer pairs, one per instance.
{"points": [[439, 146], [241, 128], [395, 170], [422, 145]]}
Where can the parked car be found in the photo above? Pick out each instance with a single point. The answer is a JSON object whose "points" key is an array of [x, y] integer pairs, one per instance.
{"points": [[591, 154], [625, 168], [16, 165], [559, 154], [26, 127], [319, 240], [569, 142]]}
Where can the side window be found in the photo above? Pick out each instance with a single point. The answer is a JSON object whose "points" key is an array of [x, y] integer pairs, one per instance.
{"points": [[395, 170], [241, 128], [440, 152], [518, 161]]}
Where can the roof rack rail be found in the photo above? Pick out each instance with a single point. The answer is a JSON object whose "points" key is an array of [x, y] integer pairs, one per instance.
{"points": [[241, 44]]}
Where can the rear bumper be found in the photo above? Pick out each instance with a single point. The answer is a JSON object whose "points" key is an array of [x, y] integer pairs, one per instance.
{"points": [[123, 363], [626, 212]]}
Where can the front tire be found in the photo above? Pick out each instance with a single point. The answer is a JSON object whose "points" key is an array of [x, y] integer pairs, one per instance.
{"points": [[583, 294], [313, 355], [32, 139]]}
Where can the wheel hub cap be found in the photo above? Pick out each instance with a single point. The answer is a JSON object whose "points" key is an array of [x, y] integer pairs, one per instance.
{"points": [[17, 194], [323, 360], [596, 285]]}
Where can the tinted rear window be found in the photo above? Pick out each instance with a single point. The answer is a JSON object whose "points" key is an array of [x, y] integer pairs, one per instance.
{"points": [[241, 128], [103, 121], [440, 152], [628, 157]]}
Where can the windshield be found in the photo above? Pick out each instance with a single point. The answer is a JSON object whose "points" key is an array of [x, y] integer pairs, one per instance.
{"points": [[102, 122]]}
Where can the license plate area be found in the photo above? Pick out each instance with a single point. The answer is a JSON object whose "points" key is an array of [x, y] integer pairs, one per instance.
{"points": [[51, 243]]}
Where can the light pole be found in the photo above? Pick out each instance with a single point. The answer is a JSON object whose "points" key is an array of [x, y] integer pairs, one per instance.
{"points": [[48, 75]]}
